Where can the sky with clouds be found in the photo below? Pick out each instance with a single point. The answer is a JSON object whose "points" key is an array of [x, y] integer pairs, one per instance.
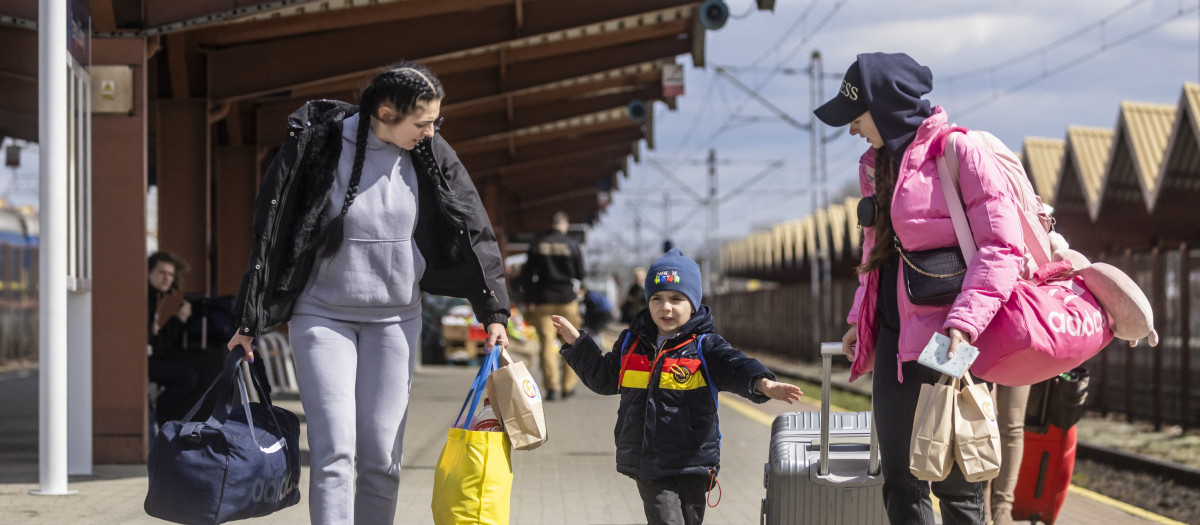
{"points": [[1017, 68]]}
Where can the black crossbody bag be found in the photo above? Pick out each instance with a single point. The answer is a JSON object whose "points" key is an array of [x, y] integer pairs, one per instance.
{"points": [[932, 277]]}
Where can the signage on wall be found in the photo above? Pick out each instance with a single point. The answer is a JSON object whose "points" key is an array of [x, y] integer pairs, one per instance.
{"points": [[672, 80]]}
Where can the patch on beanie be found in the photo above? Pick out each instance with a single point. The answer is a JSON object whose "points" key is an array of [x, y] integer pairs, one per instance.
{"points": [[666, 276]]}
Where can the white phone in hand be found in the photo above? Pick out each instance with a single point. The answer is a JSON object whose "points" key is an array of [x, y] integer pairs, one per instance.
{"points": [[935, 356]]}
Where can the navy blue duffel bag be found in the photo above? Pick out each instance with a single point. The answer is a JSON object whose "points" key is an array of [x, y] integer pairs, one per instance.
{"points": [[228, 467]]}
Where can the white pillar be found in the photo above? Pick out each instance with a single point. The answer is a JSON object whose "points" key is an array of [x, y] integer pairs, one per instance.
{"points": [[52, 314]]}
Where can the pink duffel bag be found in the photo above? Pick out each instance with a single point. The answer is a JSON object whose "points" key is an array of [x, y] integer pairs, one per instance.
{"points": [[1048, 326]]}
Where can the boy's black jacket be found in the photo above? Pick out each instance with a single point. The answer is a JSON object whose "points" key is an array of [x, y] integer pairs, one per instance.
{"points": [[667, 429], [460, 261]]}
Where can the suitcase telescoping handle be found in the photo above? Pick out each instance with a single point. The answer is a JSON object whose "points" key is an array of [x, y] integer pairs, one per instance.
{"points": [[828, 351]]}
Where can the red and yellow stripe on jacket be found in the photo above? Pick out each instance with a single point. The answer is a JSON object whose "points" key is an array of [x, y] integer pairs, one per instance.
{"points": [[681, 373]]}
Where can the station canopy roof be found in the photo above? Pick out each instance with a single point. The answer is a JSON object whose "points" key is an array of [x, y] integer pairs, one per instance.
{"points": [[539, 92]]}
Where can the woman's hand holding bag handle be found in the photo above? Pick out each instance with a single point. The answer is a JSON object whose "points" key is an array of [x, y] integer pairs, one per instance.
{"points": [[518, 401]]}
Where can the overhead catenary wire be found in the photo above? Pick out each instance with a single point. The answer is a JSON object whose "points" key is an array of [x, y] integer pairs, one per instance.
{"points": [[1041, 51], [1084, 57], [771, 74]]}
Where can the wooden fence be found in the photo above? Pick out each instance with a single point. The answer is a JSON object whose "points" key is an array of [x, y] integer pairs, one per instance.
{"points": [[1158, 385]]}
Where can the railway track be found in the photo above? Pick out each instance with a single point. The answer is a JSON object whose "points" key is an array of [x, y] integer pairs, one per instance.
{"points": [[1130, 461]]}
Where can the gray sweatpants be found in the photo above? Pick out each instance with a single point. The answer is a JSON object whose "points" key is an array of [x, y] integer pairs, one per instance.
{"points": [[354, 384]]}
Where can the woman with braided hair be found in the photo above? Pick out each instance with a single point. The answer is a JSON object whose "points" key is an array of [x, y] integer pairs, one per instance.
{"points": [[362, 209]]}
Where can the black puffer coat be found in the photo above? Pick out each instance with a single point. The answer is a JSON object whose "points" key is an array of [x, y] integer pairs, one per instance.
{"points": [[462, 261], [667, 421]]}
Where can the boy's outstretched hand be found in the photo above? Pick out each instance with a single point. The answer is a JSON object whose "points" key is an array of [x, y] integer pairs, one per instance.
{"points": [[780, 391], [566, 330]]}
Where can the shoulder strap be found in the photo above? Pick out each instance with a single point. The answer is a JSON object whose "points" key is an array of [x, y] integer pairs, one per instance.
{"points": [[712, 386], [948, 173], [1034, 234]]}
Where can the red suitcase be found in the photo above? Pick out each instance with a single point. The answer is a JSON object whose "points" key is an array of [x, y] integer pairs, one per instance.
{"points": [[1046, 468], [1049, 456]]}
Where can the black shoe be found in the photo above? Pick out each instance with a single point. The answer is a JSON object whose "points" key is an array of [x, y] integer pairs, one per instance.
{"points": [[551, 395], [568, 393]]}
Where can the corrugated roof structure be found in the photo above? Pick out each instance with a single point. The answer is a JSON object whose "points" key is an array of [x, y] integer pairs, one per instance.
{"points": [[1173, 200], [1141, 140], [1043, 159], [1086, 154]]}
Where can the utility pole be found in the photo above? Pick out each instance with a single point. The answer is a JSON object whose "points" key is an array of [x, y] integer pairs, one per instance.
{"points": [[666, 227], [637, 236], [813, 259], [819, 133], [712, 221]]}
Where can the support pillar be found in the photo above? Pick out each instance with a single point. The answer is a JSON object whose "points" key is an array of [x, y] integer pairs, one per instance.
{"points": [[234, 174], [181, 134], [120, 418], [54, 148]]}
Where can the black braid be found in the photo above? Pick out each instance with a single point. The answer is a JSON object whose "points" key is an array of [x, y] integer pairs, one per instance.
{"points": [[404, 86]]}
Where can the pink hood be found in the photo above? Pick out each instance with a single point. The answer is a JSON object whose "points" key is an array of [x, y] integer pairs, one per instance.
{"points": [[921, 220]]}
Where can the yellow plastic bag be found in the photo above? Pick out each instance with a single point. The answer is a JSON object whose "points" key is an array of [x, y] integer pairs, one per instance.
{"points": [[473, 480]]}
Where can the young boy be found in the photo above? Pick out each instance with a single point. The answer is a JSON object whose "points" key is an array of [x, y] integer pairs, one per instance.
{"points": [[667, 436]]}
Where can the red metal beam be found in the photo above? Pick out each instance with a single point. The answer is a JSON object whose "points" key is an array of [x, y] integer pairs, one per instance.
{"points": [[300, 59], [536, 217], [515, 172], [23, 9], [272, 117], [337, 19], [544, 16], [521, 100], [497, 122], [20, 54], [103, 18], [495, 154]]}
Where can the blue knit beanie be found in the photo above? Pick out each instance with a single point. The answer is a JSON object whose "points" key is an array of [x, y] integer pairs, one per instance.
{"points": [[673, 271]]}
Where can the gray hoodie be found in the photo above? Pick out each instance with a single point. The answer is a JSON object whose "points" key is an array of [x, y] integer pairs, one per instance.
{"points": [[374, 276]]}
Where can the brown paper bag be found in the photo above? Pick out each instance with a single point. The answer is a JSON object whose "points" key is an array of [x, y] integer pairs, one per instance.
{"points": [[933, 431], [518, 403], [976, 433]]}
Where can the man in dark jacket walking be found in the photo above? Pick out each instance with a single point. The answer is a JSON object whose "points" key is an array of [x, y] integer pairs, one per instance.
{"points": [[547, 281]]}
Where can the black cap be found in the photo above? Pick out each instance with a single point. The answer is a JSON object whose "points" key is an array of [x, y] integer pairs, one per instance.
{"points": [[850, 102]]}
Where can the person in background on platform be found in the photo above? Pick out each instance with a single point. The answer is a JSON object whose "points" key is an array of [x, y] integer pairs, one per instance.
{"points": [[177, 379], [667, 367], [880, 98], [597, 311], [1010, 416], [635, 298], [363, 209], [548, 283]]}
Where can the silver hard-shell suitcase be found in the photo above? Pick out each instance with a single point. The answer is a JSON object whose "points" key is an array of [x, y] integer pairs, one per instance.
{"points": [[823, 468]]}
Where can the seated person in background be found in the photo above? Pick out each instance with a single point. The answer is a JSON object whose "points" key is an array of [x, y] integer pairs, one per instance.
{"points": [[635, 299], [178, 379], [597, 311]]}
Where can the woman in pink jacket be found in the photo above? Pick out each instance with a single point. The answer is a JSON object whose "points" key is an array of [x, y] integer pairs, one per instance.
{"points": [[880, 98]]}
